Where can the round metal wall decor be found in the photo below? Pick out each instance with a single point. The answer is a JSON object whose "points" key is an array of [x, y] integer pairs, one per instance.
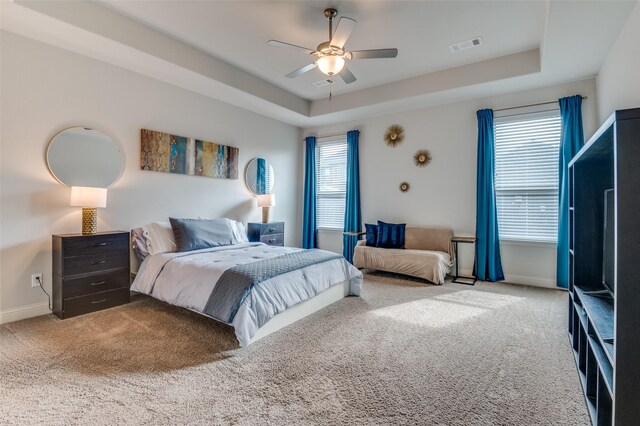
{"points": [[394, 135], [422, 158], [404, 186]]}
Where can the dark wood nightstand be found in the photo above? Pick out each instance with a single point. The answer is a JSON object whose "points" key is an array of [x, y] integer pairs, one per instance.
{"points": [[271, 233], [90, 272]]}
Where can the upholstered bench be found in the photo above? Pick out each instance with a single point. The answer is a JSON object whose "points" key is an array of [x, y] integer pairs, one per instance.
{"points": [[427, 253]]}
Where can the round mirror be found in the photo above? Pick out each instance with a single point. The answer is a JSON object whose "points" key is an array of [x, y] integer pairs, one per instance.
{"points": [[81, 156], [259, 176]]}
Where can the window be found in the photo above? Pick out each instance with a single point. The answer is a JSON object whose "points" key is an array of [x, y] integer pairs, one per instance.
{"points": [[331, 169], [527, 148]]}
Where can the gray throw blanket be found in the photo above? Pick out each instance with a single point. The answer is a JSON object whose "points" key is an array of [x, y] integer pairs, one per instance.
{"points": [[236, 283]]}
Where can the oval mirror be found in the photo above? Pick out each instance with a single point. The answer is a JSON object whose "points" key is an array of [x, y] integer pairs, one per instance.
{"points": [[81, 156], [259, 176]]}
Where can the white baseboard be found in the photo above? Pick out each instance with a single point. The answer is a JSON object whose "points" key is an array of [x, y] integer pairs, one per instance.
{"points": [[522, 279], [533, 281], [24, 312]]}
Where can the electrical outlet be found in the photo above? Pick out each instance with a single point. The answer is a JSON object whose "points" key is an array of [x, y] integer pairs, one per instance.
{"points": [[35, 278]]}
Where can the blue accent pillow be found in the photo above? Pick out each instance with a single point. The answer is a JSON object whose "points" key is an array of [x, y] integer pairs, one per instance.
{"points": [[196, 234], [391, 235], [372, 234]]}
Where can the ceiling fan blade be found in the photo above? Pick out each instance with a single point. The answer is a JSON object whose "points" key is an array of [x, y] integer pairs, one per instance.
{"points": [[282, 44], [302, 70], [374, 54], [343, 31], [347, 76]]}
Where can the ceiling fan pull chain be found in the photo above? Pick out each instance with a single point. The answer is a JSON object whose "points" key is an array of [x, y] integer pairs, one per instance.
{"points": [[330, 86]]}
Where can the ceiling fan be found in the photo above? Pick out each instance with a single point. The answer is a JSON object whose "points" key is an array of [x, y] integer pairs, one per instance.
{"points": [[331, 55]]}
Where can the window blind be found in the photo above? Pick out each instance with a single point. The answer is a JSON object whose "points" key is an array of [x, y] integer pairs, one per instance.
{"points": [[526, 153], [331, 172]]}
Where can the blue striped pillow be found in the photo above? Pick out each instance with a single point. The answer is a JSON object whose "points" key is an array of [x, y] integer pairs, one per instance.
{"points": [[391, 235], [372, 234]]}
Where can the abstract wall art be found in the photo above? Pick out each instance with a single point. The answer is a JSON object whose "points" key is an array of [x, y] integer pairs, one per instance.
{"points": [[163, 152]]}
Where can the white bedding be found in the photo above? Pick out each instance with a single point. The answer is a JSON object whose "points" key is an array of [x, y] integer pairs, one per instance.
{"points": [[186, 279]]}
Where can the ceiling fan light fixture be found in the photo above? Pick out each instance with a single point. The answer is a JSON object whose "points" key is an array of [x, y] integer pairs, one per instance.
{"points": [[331, 54], [330, 64]]}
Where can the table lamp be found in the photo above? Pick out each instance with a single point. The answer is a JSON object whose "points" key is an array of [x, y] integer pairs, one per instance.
{"points": [[265, 201], [89, 199]]}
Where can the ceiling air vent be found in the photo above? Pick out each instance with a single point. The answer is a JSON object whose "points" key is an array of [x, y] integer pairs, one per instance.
{"points": [[467, 44], [321, 83]]}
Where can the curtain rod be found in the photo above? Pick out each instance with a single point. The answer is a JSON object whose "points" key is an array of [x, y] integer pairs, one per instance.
{"points": [[531, 105], [495, 110], [333, 135]]}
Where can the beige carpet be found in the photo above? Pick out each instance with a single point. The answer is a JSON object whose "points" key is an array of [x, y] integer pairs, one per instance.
{"points": [[404, 353]]}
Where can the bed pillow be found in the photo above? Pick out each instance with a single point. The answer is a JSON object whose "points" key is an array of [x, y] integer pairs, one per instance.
{"points": [[139, 243], [391, 235], [372, 234], [159, 237], [239, 232], [196, 234]]}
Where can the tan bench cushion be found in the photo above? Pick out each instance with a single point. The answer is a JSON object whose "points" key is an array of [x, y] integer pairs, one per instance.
{"points": [[428, 264]]}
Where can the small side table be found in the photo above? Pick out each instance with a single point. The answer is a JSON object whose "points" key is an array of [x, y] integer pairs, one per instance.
{"points": [[354, 234], [460, 279]]}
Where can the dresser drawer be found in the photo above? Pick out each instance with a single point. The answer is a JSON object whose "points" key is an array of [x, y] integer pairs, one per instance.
{"points": [[273, 239], [95, 283], [95, 302], [272, 228], [95, 244], [94, 263]]}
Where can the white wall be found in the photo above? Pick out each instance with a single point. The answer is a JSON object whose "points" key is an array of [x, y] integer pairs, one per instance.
{"points": [[46, 89], [443, 193], [619, 79]]}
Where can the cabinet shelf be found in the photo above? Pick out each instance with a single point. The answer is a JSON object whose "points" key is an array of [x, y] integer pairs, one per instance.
{"points": [[583, 316], [598, 306], [591, 405], [606, 371]]}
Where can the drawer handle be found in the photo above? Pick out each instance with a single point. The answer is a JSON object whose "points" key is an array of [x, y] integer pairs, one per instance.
{"points": [[100, 283], [99, 262], [98, 301], [98, 244], [272, 241], [272, 230]]}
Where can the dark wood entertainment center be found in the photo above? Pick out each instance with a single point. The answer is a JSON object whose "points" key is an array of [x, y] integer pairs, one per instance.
{"points": [[604, 323]]}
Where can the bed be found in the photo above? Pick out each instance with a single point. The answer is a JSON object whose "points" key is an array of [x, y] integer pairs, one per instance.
{"points": [[255, 288]]}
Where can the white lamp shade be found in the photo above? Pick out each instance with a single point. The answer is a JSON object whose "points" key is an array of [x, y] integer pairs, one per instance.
{"points": [[86, 196], [331, 64], [266, 200]]}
